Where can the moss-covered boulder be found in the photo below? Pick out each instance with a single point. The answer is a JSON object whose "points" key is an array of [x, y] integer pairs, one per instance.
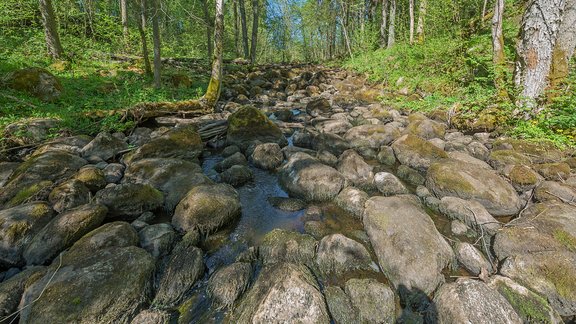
{"points": [[35, 81], [502, 158], [267, 156], [51, 166], [372, 301], [318, 106], [352, 200], [237, 175], [338, 254], [207, 208], [416, 152], [410, 250], [353, 167], [18, 226], [63, 231], [181, 142], [11, 290], [542, 152], [558, 171], [70, 194], [92, 177], [173, 177], [287, 246], [111, 285], [523, 178], [157, 239], [458, 179], [554, 191], [129, 200], [30, 131], [228, 283], [283, 293], [372, 136], [249, 125], [426, 129], [104, 146], [471, 213]]}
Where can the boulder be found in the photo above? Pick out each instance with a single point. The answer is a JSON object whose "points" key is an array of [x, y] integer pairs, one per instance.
{"points": [[35, 81], [373, 136], [111, 285], [353, 167], [11, 290], [237, 175], [234, 159], [472, 259], [18, 227], [330, 142], [182, 143], [283, 293], [68, 195], [305, 177], [32, 131], [388, 184], [472, 301], [287, 204], [352, 200], [114, 172], [318, 106], [340, 305], [458, 179], [129, 200], [228, 283], [104, 146], [501, 158], [338, 254], [386, 156], [286, 246], [334, 126], [417, 153], [373, 301], [248, 125], [267, 156], [157, 239], [152, 316], [410, 250], [63, 231], [553, 171], [523, 178], [426, 128], [207, 208], [92, 177], [472, 213], [554, 191]]}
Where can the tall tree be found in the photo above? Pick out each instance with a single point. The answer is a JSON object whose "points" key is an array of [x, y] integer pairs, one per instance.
{"points": [[421, 21], [242, 7], [156, 39], [215, 85], [391, 26], [236, 29], [538, 33], [411, 11], [207, 19], [141, 23], [255, 23], [51, 29], [384, 23], [565, 44], [498, 47], [124, 17]]}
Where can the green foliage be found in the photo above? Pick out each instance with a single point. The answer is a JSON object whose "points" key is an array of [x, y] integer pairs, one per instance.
{"points": [[532, 307]]}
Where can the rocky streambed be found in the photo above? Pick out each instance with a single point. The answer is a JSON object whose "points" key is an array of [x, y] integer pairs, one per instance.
{"points": [[301, 200]]}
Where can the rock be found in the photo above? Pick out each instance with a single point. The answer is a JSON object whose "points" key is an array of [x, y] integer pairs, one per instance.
{"points": [[237, 175], [113, 172], [248, 125], [230, 150], [352, 200], [472, 213], [478, 151], [458, 228], [502, 158], [388, 184], [455, 178], [184, 267], [471, 301], [173, 177], [152, 316], [182, 143], [92, 177], [129, 200], [207, 208], [157, 239], [234, 159], [72, 144], [538, 152], [286, 246], [6, 169], [327, 158], [105, 146], [523, 178], [374, 302], [340, 305], [63, 231], [472, 259], [354, 169], [318, 107], [530, 306], [335, 126], [18, 227], [338, 254], [30, 131], [305, 177], [426, 129], [228, 283], [26, 180], [36, 81], [386, 156], [373, 136], [553, 171], [439, 143], [466, 158], [267, 156], [11, 289], [331, 143], [409, 260], [287, 204], [410, 175], [316, 229], [68, 195], [283, 293], [416, 153], [109, 286], [554, 191]]}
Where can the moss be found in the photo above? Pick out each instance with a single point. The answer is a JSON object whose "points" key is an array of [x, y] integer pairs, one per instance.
{"points": [[445, 178], [532, 308], [27, 193], [16, 230], [40, 210], [424, 147], [561, 276], [523, 175], [509, 157], [565, 239]]}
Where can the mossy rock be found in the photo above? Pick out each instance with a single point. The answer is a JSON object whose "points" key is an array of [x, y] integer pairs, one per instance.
{"points": [[523, 178], [248, 125], [417, 153], [553, 171], [30, 131], [30, 192], [287, 246], [36, 81], [502, 158], [129, 200], [92, 177], [538, 152]]}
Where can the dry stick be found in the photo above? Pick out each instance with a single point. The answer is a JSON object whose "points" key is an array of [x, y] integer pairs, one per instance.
{"points": [[486, 250], [37, 298], [566, 201]]}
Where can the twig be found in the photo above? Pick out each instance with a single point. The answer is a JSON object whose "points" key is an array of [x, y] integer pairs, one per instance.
{"points": [[486, 250], [566, 201]]}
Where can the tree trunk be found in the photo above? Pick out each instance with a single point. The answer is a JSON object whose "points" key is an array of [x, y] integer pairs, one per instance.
{"points": [[484, 11], [141, 23], [236, 30], [51, 29], [411, 10], [214, 86], [124, 17], [421, 21], [156, 38], [498, 48], [208, 27], [391, 27], [538, 33], [244, 24], [255, 20], [565, 45], [384, 22]]}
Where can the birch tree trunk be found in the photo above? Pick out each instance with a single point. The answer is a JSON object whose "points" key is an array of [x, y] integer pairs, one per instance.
{"points": [[538, 33], [411, 10], [255, 17], [215, 85], [206, 13], [124, 17], [156, 39], [421, 21], [244, 24], [565, 45], [141, 23], [384, 22], [391, 36], [497, 38], [50, 29]]}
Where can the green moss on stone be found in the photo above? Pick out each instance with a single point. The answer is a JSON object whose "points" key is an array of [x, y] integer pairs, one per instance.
{"points": [[28, 192], [523, 175], [532, 308], [565, 239]]}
